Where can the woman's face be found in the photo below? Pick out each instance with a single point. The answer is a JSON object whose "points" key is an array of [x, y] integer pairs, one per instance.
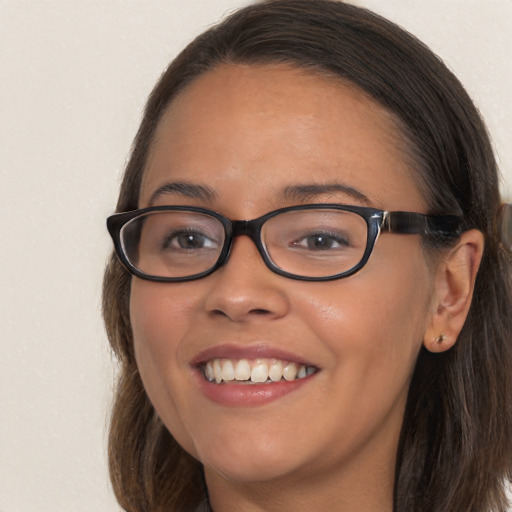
{"points": [[248, 140]]}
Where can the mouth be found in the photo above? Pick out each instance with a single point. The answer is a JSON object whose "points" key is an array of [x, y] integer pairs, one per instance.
{"points": [[254, 371]]}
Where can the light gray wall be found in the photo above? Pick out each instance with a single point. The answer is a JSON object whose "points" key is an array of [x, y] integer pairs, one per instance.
{"points": [[73, 79]]}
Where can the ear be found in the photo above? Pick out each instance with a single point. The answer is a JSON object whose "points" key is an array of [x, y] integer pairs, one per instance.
{"points": [[453, 290]]}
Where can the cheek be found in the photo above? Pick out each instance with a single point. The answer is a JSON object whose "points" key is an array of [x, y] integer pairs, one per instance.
{"points": [[158, 319], [159, 314], [374, 322], [398, 290]]}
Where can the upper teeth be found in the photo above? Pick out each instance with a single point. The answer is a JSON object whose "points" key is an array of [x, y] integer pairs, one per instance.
{"points": [[259, 370]]}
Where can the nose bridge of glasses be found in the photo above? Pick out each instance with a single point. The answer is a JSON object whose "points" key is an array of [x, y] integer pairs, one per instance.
{"points": [[250, 228]]}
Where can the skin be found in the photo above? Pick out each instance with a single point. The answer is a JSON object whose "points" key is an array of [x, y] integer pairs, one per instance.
{"points": [[248, 132]]}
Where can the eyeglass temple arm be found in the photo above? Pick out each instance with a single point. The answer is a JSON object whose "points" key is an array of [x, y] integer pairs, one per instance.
{"points": [[408, 223]]}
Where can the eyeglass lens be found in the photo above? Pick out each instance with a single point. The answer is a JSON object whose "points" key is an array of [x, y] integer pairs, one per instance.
{"points": [[308, 243]]}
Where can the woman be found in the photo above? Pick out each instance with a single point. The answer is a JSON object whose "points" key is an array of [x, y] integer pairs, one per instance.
{"points": [[334, 352]]}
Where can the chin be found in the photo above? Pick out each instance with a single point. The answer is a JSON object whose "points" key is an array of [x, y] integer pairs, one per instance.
{"points": [[250, 471], [250, 459]]}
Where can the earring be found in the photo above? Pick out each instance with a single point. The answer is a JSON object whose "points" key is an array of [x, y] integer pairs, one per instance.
{"points": [[440, 338]]}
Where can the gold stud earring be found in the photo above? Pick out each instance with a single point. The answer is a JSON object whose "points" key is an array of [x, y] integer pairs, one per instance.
{"points": [[440, 338]]}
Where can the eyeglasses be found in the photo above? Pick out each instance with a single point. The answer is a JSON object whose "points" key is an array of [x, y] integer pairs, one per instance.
{"points": [[312, 242]]}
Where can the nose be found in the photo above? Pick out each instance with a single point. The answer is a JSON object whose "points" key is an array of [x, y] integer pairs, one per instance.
{"points": [[244, 289]]}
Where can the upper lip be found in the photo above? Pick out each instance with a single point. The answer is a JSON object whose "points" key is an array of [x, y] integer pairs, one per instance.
{"points": [[235, 351]]}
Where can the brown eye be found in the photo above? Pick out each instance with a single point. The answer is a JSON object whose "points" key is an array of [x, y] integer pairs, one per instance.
{"points": [[321, 242], [187, 240]]}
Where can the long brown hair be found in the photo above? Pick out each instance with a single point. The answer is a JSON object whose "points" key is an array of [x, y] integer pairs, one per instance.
{"points": [[456, 443]]}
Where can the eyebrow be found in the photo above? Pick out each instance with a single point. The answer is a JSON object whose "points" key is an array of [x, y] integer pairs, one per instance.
{"points": [[192, 190], [298, 193], [307, 192]]}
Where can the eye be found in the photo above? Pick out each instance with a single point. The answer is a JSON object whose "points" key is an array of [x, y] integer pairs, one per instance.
{"points": [[321, 241], [188, 240]]}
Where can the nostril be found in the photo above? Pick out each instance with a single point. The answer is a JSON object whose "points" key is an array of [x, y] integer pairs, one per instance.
{"points": [[256, 311], [260, 311], [218, 312]]}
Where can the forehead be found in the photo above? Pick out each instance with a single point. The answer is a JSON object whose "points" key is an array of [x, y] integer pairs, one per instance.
{"points": [[258, 129]]}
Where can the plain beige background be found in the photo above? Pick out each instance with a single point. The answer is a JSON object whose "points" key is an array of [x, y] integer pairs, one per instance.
{"points": [[74, 76]]}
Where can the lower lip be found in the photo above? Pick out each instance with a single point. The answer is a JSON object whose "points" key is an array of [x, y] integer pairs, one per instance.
{"points": [[248, 395]]}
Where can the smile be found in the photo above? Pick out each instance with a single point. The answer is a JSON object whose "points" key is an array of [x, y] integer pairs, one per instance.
{"points": [[258, 371]]}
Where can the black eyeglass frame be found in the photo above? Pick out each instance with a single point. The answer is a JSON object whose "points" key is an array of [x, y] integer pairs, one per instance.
{"points": [[443, 227]]}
